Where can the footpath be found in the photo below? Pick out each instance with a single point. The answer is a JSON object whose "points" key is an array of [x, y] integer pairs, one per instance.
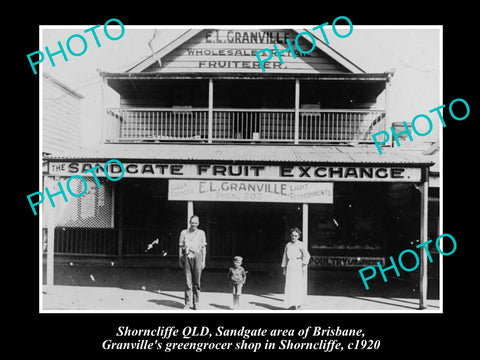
{"points": [[93, 288]]}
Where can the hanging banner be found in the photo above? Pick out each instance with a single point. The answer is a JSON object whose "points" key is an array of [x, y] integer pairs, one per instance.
{"points": [[250, 191]]}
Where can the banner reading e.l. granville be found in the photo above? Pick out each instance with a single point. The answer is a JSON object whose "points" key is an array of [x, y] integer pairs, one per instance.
{"points": [[250, 191]]}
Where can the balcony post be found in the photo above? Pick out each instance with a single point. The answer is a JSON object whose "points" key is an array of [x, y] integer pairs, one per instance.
{"points": [[103, 120], [297, 115], [210, 110], [387, 104]]}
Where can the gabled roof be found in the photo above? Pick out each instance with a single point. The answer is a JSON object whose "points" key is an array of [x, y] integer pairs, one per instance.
{"points": [[165, 48], [168, 46], [333, 53], [64, 87]]}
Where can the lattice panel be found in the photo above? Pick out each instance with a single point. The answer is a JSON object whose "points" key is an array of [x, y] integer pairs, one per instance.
{"points": [[94, 209]]}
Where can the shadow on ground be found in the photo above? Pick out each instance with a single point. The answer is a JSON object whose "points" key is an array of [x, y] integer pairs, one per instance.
{"points": [[169, 303], [162, 280]]}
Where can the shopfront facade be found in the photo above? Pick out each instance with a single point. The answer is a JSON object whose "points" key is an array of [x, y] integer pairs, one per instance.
{"points": [[357, 214]]}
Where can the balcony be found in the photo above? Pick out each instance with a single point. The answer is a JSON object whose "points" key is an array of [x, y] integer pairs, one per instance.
{"points": [[242, 125]]}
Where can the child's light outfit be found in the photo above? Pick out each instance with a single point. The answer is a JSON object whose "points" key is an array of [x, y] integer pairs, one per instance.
{"points": [[237, 276]]}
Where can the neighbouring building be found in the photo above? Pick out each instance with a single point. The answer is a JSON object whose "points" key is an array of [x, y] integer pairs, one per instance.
{"points": [[61, 117]]}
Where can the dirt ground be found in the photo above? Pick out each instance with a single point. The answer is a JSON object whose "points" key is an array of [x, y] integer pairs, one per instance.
{"points": [[80, 279]]}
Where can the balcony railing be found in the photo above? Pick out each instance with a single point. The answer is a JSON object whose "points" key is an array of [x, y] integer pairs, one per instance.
{"points": [[242, 125], [340, 125]]}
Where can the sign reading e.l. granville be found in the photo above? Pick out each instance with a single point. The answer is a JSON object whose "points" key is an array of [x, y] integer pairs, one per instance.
{"points": [[251, 191], [243, 172], [247, 37]]}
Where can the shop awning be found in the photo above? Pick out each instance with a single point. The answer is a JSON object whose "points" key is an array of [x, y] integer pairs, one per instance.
{"points": [[251, 153]]}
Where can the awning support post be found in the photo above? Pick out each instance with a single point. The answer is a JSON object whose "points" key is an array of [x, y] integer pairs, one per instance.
{"points": [[305, 239], [189, 212], [423, 238], [50, 239], [120, 221]]}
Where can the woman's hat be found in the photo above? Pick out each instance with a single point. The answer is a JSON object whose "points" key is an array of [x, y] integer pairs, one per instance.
{"points": [[238, 259]]}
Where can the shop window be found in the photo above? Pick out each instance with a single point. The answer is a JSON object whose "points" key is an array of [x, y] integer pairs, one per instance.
{"points": [[352, 222], [147, 215]]}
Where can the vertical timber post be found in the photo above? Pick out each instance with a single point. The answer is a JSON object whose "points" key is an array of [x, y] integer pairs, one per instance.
{"points": [[50, 237], [305, 240], [297, 114], [210, 111], [423, 238], [387, 104], [106, 131], [118, 193], [189, 212]]}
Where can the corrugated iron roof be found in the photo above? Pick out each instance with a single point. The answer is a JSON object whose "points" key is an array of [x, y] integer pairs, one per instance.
{"points": [[365, 154]]}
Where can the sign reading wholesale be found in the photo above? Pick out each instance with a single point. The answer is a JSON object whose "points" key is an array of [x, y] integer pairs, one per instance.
{"points": [[218, 190]]}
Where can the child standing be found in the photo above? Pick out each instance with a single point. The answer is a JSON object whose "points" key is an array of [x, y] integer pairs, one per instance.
{"points": [[238, 276]]}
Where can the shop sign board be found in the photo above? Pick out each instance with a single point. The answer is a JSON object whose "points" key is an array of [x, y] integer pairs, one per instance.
{"points": [[225, 50], [250, 191], [344, 261], [277, 172]]}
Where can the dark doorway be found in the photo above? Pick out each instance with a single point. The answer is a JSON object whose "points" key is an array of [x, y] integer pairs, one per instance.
{"points": [[256, 231]]}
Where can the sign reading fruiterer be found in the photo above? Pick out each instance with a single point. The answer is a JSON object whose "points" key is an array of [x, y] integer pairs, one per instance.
{"points": [[250, 191]]}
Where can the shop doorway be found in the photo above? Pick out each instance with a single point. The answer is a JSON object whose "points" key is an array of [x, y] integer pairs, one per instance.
{"points": [[256, 231]]}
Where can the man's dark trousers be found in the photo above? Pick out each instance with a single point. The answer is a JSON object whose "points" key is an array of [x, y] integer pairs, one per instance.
{"points": [[193, 273]]}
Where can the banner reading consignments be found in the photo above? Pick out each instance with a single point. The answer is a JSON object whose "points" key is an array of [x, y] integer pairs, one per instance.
{"points": [[251, 191]]}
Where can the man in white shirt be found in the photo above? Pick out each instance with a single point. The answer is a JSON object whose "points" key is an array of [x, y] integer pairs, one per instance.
{"points": [[192, 251]]}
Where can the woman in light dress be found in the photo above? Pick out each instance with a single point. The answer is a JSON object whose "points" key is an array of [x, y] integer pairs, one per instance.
{"points": [[294, 265]]}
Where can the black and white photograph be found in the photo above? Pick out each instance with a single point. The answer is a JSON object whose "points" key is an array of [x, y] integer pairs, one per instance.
{"points": [[172, 153], [203, 184]]}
